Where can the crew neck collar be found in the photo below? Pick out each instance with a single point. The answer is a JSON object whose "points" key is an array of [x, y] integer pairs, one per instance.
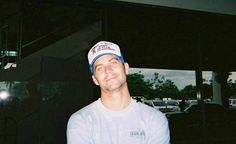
{"points": [[115, 113]]}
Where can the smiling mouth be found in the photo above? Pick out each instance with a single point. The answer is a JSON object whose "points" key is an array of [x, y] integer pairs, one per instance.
{"points": [[110, 78]]}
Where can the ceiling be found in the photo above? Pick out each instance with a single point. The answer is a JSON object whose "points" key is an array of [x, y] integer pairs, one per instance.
{"points": [[163, 37], [151, 36], [215, 6]]}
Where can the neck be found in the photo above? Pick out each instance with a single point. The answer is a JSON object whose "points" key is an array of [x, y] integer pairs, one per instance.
{"points": [[116, 100]]}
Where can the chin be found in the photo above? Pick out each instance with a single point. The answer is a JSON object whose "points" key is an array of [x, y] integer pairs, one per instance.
{"points": [[113, 87]]}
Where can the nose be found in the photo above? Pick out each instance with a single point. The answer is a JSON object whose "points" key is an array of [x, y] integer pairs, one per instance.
{"points": [[108, 69]]}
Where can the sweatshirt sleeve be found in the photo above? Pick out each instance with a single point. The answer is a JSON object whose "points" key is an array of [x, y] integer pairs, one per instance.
{"points": [[77, 130], [159, 129]]}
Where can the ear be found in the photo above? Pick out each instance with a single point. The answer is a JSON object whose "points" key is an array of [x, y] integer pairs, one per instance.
{"points": [[95, 80], [126, 68]]}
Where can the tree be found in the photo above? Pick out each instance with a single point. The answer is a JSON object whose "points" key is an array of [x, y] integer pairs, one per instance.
{"points": [[189, 92], [137, 85], [157, 87], [169, 90]]}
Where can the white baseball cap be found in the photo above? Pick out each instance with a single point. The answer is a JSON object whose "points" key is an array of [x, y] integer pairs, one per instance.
{"points": [[103, 48]]}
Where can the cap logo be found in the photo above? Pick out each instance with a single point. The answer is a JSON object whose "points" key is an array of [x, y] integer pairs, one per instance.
{"points": [[100, 48]]}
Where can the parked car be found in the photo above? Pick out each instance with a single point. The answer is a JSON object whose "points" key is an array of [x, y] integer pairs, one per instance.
{"points": [[191, 102], [148, 102], [172, 106], [157, 104], [160, 104], [163, 106]]}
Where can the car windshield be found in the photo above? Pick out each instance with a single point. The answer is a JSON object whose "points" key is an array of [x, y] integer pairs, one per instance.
{"points": [[159, 103]]}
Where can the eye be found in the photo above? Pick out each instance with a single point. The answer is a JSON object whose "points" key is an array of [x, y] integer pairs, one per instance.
{"points": [[99, 68], [114, 61]]}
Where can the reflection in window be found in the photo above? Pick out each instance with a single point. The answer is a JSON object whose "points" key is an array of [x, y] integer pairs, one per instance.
{"points": [[162, 84], [207, 91]]}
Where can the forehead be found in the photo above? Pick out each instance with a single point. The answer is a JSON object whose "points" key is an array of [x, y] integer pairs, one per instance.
{"points": [[104, 58]]}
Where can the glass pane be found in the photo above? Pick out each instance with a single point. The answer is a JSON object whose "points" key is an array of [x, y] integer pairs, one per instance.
{"points": [[164, 86]]}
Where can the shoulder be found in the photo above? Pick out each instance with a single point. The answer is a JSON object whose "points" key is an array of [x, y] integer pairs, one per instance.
{"points": [[151, 113], [147, 109], [82, 115]]}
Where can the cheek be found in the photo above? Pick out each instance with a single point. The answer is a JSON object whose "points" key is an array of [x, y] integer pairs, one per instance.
{"points": [[99, 78]]}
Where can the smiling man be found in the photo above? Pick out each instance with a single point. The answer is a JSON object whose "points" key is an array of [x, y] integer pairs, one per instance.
{"points": [[115, 118]]}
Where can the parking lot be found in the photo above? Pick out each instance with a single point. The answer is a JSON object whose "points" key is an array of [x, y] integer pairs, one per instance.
{"points": [[207, 122]]}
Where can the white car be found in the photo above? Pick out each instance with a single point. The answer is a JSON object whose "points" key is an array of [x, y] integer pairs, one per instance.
{"points": [[172, 105], [157, 104]]}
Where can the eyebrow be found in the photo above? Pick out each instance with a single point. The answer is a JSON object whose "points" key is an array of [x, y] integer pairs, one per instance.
{"points": [[114, 58]]}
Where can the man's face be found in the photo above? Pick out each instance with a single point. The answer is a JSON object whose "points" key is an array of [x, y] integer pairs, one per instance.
{"points": [[109, 72]]}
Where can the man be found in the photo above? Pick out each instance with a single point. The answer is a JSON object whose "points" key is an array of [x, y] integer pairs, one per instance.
{"points": [[115, 118]]}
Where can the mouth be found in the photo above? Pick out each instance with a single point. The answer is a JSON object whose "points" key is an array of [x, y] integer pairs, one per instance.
{"points": [[110, 78]]}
